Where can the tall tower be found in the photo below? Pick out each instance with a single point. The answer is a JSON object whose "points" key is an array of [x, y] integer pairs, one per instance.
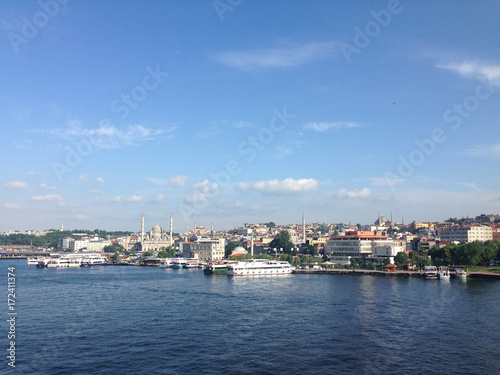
{"points": [[251, 247], [171, 231], [142, 227], [303, 227]]}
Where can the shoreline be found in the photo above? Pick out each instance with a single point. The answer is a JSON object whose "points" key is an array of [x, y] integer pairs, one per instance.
{"points": [[473, 275]]}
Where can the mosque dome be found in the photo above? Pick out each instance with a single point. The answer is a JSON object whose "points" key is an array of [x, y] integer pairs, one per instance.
{"points": [[239, 251], [156, 231]]}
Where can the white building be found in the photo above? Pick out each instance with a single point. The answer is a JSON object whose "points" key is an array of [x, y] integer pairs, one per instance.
{"points": [[77, 245], [208, 249], [96, 245], [355, 244], [468, 233]]}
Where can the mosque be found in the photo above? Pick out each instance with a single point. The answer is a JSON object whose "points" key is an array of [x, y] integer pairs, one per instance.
{"points": [[156, 239]]}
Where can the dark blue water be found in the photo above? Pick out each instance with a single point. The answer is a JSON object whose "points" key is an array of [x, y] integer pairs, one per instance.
{"points": [[135, 320]]}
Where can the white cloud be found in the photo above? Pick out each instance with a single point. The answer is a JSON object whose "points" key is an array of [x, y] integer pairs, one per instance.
{"points": [[475, 69], [159, 198], [135, 198], [100, 179], [31, 173], [469, 185], [386, 181], [47, 198], [324, 126], [11, 206], [206, 187], [82, 178], [45, 186], [179, 181], [83, 217], [276, 186], [277, 57], [118, 198], [16, 185], [196, 198], [483, 150], [95, 191], [107, 135], [344, 193]]}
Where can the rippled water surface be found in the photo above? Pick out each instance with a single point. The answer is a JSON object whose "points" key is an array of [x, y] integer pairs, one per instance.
{"points": [[137, 320]]}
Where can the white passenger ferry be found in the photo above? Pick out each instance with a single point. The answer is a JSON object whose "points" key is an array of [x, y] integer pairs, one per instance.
{"points": [[91, 260], [257, 267]]}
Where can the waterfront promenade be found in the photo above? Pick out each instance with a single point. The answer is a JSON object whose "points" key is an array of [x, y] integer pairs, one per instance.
{"points": [[484, 275]]}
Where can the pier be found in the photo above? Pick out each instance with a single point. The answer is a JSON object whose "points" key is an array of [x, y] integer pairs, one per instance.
{"points": [[472, 275]]}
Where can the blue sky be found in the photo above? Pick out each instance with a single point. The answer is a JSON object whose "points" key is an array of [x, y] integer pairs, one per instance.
{"points": [[228, 112]]}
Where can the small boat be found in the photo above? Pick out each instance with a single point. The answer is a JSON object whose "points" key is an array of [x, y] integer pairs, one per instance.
{"points": [[166, 263], [32, 261], [192, 263], [218, 268], [178, 263], [431, 273], [444, 273], [461, 274], [42, 263]]}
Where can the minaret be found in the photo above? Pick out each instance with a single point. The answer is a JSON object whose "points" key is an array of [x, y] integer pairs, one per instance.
{"points": [[171, 229], [303, 227], [142, 227], [392, 222]]}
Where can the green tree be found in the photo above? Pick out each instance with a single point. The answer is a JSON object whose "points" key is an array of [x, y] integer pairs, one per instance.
{"points": [[166, 252], [271, 224], [401, 259], [113, 248], [282, 241], [286, 258], [115, 256], [310, 250], [229, 248], [147, 254]]}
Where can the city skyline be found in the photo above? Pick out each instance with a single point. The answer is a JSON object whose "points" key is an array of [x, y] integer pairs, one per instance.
{"points": [[222, 113]]}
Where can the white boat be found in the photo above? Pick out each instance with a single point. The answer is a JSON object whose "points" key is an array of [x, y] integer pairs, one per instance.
{"points": [[58, 263], [92, 260], [257, 267], [461, 274], [42, 262], [192, 263], [431, 273], [444, 273], [178, 263], [166, 263], [32, 261]]}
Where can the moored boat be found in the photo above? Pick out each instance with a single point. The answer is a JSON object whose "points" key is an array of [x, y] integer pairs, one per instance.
{"points": [[32, 261], [431, 273], [461, 274], [92, 260], [256, 267], [166, 263], [178, 263], [444, 273], [216, 268]]}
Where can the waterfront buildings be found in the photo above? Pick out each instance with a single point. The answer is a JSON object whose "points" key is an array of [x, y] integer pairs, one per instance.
{"points": [[467, 233], [356, 244], [208, 249]]}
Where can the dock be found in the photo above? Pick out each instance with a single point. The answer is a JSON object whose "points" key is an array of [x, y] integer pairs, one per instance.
{"points": [[473, 275]]}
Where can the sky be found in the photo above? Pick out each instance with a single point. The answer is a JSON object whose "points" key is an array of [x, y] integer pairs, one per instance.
{"points": [[235, 111]]}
